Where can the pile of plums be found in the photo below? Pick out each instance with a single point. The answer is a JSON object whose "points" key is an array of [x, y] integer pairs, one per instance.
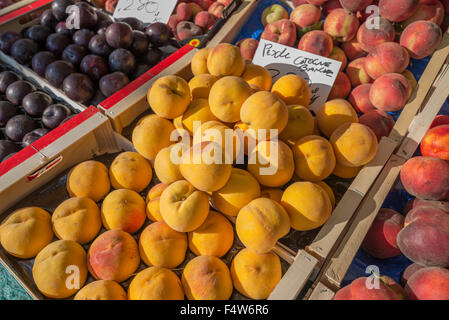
{"points": [[101, 54], [26, 114]]}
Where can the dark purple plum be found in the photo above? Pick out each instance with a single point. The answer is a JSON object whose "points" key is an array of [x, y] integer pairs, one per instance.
{"points": [[38, 33], [57, 42], [9, 156], [57, 71], [54, 115], [48, 19], [74, 53], [94, 66], [158, 33], [6, 78], [122, 60], [41, 60], [102, 31], [140, 43], [82, 37], [98, 97], [23, 50], [78, 87], [99, 46], [34, 103], [140, 70], [33, 136], [18, 126], [5, 3], [7, 39], [58, 7], [62, 29], [7, 111], [103, 21], [152, 57], [17, 90], [67, 119], [86, 15], [134, 23], [119, 35], [6, 148], [113, 82]]}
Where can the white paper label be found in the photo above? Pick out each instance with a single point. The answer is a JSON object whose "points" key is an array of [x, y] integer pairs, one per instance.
{"points": [[147, 11], [319, 71]]}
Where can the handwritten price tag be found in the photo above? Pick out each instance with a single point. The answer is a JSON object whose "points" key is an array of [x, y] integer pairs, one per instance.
{"points": [[319, 71], [147, 11]]}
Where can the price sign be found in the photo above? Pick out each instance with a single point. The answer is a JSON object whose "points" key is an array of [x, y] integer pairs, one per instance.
{"points": [[281, 60], [147, 11]]}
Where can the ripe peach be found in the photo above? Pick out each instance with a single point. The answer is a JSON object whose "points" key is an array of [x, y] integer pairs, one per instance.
{"points": [[282, 31], [421, 38], [300, 124], [152, 134], [113, 255], [199, 110], [169, 96], [200, 86], [414, 203], [130, 170], [195, 8], [353, 49], [271, 163], [248, 48], [155, 283], [261, 223], [101, 290], [379, 121], [306, 17], [428, 284], [399, 10], [314, 158], [213, 238], [338, 54], [409, 271], [183, 11], [273, 13], [77, 219], [89, 179], [25, 232], [166, 170], [355, 5], [341, 25], [204, 20], [258, 76], [227, 96], [341, 87], [370, 35], [307, 205], [428, 10], [161, 246], [265, 110], [439, 121], [225, 60], [60, 269], [359, 98], [240, 189], [354, 144], [317, 42], [387, 57], [411, 79], [292, 89], [436, 143], [359, 290], [199, 62], [153, 202], [207, 278], [272, 193], [380, 241], [426, 178], [216, 9], [333, 114], [328, 190], [329, 6], [357, 73], [390, 92], [255, 275], [346, 172]]}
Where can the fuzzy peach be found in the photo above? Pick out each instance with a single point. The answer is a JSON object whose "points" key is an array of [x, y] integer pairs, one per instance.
{"points": [[387, 57], [421, 38], [261, 223], [114, 255], [292, 89], [357, 73], [167, 170], [379, 121], [411, 79], [272, 193], [199, 62], [300, 124], [353, 49], [317, 42], [258, 76], [77, 219], [359, 98], [439, 121], [101, 290], [204, 20], [409, 271], [225, 60], [390, 92], [187, 29], [330, 5], [240, 189], [346, 172], [152, 134], [358, 290], [207, 278], [213, 238], [341, 25], [399, 10], [219, 133], [198, 110], [306, 17], [273, 13], [374, 32], [355, 5], [428, 10], [436, 143], [282, 32], [341, 87], [329, 191], [155, 283], [248, 48], [161, 246], [130, 170], [255, 275], [338, 54], [216, 9], [153, 202], [25, 232], [89, 179], [428, 284], [200, 86], [333, 114], [60, 263]]}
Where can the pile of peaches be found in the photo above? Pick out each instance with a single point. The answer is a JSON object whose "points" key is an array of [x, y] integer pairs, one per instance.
{"points": [[378, 48], [422, 235]]}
